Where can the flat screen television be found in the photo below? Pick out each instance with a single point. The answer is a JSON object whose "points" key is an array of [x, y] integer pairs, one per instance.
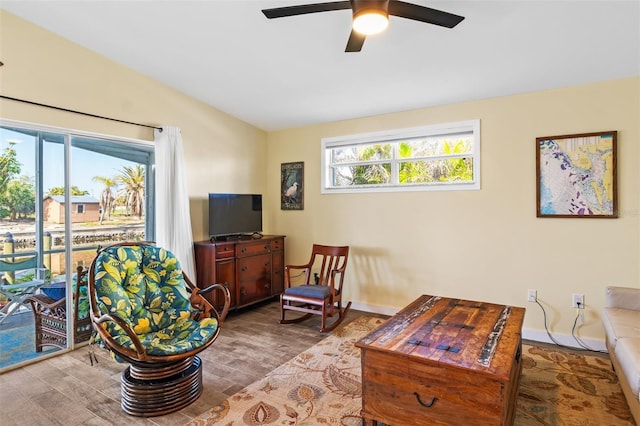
{"points": [[235, 215]]}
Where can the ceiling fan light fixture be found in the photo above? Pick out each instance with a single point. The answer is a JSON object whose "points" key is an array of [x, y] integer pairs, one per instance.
{"points": [[370, 21]]}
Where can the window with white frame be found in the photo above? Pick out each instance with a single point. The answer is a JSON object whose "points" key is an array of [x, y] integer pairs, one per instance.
{"points": [[436, 157]]}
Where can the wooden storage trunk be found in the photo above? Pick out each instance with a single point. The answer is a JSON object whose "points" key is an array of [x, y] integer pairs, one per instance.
{"points": [[443, 361]]}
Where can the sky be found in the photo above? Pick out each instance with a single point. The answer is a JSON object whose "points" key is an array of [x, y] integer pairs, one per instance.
{"points": [[84, 164]]}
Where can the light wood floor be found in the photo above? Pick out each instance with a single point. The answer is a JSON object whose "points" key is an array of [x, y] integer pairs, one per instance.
{"points": [[67, 390]]}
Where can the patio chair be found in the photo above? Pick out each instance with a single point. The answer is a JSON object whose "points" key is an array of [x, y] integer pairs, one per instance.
{"points": [[14, 291], [150, 315], [50, 313]]}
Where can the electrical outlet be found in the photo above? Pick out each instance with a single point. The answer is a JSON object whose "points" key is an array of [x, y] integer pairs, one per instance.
{"points": [[532, 295], [577, 301]]}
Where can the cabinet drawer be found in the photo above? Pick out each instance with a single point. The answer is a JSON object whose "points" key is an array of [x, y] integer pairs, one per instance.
{"points": [[253, 291], [225, 251], [277, 244], [254, 278], [254, 267], [243, 250]]}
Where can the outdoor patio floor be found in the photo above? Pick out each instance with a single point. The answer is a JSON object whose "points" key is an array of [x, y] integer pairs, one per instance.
{"points": [[17, 340]]}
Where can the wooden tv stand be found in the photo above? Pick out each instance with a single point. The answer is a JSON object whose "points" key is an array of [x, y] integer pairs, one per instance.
{"points": [[252, 268]]}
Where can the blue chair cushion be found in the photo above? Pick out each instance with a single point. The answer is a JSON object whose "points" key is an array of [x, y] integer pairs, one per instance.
{"points": [[56, 291], [314, 291]]}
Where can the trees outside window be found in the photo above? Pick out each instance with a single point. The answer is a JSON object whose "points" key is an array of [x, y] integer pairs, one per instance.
{"points": [[132, 192], [441, 157], [107, 197]]}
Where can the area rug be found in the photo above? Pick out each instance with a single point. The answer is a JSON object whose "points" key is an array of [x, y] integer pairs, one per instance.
{"points": [[569, 388], [322, 386], [319, 386]]}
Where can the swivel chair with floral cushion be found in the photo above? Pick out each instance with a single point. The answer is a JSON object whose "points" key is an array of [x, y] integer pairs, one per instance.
{"points": [[150, 315]]}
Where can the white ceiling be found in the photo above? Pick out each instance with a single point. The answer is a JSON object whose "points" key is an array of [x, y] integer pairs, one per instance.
{"points": [[291, 72]]}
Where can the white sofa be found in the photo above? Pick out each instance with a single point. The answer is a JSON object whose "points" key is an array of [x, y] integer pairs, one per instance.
{"points": [[621, 320]]}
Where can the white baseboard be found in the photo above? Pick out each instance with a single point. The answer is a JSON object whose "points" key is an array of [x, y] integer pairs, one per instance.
{"points": [[563, 339], [527, 334], [374, 309]]}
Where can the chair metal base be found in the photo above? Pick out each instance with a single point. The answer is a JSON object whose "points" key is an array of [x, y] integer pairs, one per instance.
{"points": [[149, 391]]}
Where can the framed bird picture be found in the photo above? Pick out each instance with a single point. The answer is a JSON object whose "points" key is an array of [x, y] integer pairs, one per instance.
{"points": [[292, 186]]}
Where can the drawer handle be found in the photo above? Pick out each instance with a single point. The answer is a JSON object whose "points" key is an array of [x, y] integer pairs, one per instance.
{"points": [[427, 405]]}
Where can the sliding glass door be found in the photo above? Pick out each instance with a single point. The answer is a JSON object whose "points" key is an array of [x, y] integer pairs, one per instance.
{"points": [[64, 194]]}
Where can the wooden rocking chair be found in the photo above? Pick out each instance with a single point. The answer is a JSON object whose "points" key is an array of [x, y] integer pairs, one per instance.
{"points": [[323, 296]]}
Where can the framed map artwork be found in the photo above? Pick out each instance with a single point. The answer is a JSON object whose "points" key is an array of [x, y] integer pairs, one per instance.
{"points": [[576, 175]]}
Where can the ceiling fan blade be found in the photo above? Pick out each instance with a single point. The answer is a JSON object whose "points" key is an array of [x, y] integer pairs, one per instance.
{"points": [[281, 12], [356, 40], [424, 14]]}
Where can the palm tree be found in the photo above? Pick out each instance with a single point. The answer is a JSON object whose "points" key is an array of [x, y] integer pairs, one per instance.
{"points": [[107, 198], [132, 181]]}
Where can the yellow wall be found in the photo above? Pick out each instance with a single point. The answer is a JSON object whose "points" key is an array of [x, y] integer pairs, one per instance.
{"points": [[485, 245], [488, 244], [223, 153]]}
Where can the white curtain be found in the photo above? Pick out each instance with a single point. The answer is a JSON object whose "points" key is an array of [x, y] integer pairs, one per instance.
{"points": [[173, 218]]}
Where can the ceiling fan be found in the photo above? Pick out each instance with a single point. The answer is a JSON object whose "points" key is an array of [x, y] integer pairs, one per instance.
{"points": [[370, 16]]}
